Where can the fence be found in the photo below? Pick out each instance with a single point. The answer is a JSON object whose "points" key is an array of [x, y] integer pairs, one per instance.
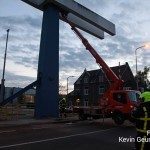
{"points": [[9, 112]]}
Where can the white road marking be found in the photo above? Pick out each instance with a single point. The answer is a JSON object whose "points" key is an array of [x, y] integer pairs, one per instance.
{"points": [[69, 123], [7, 131], [57, 138], [37, 128]]}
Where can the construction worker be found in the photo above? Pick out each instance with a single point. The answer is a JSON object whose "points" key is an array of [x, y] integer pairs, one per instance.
{"points": [[142, 116], [62, 106]]}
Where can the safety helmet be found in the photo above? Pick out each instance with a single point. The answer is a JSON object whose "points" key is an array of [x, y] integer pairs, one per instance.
{"points": [[64, 99], [145, 96]]}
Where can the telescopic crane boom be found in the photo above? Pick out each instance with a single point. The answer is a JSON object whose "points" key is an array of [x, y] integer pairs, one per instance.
{"points": [[116, 82]]}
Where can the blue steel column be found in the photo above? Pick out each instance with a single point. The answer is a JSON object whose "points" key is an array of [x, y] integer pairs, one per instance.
{"points": [[46, 100]]}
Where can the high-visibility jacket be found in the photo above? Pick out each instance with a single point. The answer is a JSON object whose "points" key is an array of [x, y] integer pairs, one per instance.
{"points": [[142, 116], [146, 96], [62, 104]]}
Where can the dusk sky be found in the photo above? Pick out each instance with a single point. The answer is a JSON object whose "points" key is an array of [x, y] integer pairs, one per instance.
{"points": [[131, 19]]}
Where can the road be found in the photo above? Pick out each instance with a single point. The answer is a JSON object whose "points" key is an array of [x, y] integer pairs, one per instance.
{"points": [[87, 135]]}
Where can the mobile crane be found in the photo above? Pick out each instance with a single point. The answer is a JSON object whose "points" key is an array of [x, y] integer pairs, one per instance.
{"points": [[115, 103]]}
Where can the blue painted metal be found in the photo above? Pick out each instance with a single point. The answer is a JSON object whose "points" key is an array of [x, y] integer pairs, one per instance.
{"points": [[11, 98], [47, 95]]}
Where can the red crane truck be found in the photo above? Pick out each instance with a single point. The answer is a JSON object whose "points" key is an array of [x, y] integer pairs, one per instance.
{"points": [[115, 103]]}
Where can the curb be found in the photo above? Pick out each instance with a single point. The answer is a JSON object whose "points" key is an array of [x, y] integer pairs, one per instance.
{"points": [[29, 122]]}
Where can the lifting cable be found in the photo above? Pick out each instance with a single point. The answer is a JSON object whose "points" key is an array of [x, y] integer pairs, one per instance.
{"points": [[60, 55], [61, 44]]}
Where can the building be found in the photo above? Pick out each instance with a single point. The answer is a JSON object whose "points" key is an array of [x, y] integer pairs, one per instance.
{"points": [[27, 97], [91, 85]]}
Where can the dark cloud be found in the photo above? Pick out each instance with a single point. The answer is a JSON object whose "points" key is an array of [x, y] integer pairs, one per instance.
{"points": [[20, 22], [22, 29], [14, 80]]}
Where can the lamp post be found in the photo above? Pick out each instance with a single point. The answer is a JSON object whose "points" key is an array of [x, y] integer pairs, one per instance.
{"points": [[67, 83], [136, 60], [3, 80], [67, 87]]}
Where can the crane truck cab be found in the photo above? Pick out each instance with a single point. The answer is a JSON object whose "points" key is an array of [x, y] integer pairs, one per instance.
{"points": [[119, 105]]}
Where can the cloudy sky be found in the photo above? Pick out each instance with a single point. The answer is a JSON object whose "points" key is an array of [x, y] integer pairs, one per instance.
{"points": [[132, 21]]}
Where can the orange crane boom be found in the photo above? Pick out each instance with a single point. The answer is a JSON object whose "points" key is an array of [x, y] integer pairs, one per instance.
{"points": [[116, 82]]}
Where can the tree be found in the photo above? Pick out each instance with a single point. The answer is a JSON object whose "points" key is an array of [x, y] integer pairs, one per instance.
{"points": [[143, 77]]}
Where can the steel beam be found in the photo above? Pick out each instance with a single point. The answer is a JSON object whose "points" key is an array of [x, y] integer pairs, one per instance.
{"points": [[80, 16], [86, 14], [85, 26]]}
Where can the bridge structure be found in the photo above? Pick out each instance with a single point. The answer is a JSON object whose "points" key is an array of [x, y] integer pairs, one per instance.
{"points": [[47, 90]]}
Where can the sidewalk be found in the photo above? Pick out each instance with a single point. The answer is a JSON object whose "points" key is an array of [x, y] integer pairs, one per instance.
{"points": [[26, 117], [31, 121]]}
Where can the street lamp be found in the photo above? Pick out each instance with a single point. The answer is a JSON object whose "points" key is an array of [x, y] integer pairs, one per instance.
{"points": [[67, 87], [3, 80], [144, 46], [67, 83]]}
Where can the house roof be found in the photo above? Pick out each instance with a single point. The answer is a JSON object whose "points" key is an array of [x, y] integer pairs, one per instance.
{"points": [[118, 70]]}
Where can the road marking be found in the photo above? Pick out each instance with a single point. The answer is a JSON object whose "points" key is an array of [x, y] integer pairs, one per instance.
{"points": [[37, 128], [69, 123], [7, 131], [57, 138]]}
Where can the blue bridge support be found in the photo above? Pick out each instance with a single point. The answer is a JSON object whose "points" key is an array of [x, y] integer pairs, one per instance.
{"points": [[47, 92]]}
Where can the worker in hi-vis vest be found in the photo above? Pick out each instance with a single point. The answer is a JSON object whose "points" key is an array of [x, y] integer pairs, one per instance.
{"points": [[141, 114], [62, 107]]}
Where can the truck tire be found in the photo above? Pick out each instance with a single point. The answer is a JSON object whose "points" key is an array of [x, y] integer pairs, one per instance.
{"points": [[118, 119]]}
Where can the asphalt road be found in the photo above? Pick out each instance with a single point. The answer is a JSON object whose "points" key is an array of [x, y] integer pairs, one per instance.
{"points": [[87, 135]]}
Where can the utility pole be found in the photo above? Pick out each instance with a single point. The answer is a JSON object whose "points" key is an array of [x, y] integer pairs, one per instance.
{"points": [[67, 98], [145, 45], [3, 79]]}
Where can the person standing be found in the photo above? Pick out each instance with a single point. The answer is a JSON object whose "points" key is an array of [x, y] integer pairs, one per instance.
{"points": [[141, 114], [62, 107]]}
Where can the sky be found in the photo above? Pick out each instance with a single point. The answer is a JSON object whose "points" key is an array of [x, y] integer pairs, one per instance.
{"points": [[131, 19]]}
